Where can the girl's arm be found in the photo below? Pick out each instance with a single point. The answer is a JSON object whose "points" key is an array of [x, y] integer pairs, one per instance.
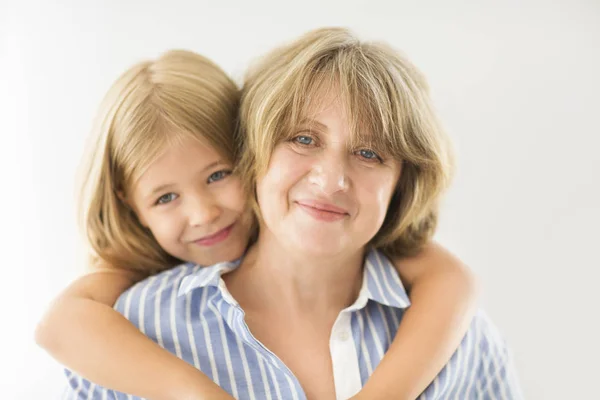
{"points": [[443, 293], [83, 332]]}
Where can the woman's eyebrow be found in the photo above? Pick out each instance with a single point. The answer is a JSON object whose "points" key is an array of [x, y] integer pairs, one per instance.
{"points": [[312, 123]]}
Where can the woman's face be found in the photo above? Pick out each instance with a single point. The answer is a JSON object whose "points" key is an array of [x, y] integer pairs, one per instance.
{"points": [[192, 204], [321, 196]]}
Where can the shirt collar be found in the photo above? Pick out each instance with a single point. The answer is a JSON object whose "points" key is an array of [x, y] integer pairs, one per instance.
{"points": [[206, 276], [381, 282]]}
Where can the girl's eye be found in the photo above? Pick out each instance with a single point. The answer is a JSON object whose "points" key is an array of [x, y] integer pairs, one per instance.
{"points": [[369, 155], [304, 140], [219, 175], [166, 198]]}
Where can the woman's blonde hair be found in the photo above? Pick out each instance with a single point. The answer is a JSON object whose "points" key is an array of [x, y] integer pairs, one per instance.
{"points": [[386, 100], [151, 106]]}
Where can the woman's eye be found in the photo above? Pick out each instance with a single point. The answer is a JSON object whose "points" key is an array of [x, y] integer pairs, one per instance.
{"points": [[304, 140], [166, 198], [369, 155], [217, 176]]}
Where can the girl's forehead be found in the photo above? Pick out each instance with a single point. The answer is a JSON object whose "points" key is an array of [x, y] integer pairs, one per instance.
{"points": [[167, 150]]}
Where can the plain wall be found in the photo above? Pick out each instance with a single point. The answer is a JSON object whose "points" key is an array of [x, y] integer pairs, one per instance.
{"points": [[516, 85]]}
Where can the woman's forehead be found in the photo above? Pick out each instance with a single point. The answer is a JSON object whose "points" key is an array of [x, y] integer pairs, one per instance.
{"points": [[329, 105]]}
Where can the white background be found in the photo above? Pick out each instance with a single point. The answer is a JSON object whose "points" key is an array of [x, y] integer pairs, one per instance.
{"points": [[516, 84]]}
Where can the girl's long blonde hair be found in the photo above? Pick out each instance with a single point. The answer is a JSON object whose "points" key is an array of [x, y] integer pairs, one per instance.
{"points": [[386, 100], [152, 105]]}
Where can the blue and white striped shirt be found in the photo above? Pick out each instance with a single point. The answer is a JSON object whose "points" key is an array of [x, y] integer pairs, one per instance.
{"points": [[188, 311]]}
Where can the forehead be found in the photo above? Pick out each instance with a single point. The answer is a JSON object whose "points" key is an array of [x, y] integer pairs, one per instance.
{"points": [[321, 109], [179, 161], [328, 108]]}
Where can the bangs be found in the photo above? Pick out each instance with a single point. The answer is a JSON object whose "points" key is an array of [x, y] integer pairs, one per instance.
{"points": [[151, 135], [369, 98], [166, 115]]}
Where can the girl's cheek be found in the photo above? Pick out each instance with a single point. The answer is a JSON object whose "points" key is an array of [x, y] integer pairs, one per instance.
{"points": [[233, 198]]}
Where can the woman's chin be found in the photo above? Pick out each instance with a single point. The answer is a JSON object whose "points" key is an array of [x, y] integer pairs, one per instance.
{"points": [[319, 245]]}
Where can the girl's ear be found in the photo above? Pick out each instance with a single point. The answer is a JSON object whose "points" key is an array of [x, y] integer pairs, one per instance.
{"points": [[122, 197], [129, 204]]}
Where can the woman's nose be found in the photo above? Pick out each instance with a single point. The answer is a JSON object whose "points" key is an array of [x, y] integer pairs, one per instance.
{"points": [[329, 174]]}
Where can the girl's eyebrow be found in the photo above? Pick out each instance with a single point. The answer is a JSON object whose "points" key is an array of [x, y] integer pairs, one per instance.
{"points": [[159, 188], [165, 186], [213, 164]]}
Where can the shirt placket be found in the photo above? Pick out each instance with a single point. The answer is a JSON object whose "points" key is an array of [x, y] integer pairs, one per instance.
{"points": [[346, 372]]}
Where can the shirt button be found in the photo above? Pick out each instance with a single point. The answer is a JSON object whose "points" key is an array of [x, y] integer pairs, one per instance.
{"points": [[343, 336]]}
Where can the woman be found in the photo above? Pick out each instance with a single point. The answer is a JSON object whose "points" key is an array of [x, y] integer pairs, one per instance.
{"points": [[347, 162]]}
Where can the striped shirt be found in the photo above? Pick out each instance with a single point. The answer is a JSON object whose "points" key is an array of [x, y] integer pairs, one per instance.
{"points": [[188, 311]]}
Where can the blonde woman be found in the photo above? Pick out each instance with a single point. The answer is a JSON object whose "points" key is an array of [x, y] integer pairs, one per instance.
{"points": [[159, 191], [347, 162]]}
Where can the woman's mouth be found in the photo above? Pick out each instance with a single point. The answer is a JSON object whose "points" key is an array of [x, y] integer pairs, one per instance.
{"points": [[322, 211]]}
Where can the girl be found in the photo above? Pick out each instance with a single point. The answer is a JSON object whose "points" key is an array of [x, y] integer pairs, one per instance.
{"points": [[146, 207]]}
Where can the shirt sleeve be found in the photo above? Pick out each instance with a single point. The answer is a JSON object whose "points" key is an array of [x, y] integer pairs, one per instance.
{"points": [[79, 388], [497, 378]]}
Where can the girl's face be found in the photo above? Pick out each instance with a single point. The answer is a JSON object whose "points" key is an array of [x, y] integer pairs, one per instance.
{"points": [[321, 196], [193, 206]]}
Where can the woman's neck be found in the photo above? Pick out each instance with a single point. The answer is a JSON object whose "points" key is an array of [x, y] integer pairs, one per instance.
{"points": [[273, 277]]}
